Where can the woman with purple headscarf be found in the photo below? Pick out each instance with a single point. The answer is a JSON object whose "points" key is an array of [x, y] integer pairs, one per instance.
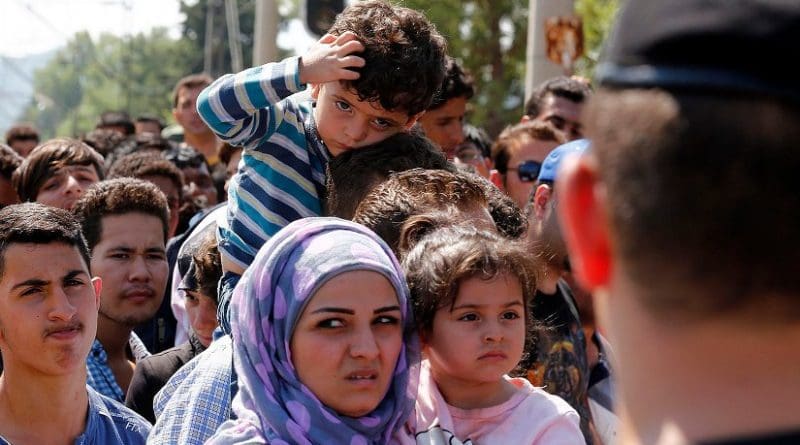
{"points": [[324, 343]]}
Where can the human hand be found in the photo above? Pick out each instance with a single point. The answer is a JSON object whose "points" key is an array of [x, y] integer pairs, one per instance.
{"points": [[331, 59]]}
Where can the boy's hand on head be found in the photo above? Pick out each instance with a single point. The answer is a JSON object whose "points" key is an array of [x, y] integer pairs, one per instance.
{"points": [[330, 59]]}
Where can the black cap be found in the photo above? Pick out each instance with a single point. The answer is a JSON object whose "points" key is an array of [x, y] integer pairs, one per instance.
{"points": [[723, 45]]}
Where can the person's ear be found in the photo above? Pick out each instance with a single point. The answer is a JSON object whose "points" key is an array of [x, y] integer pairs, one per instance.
{"points": [[525, 118], [413, 120], [97, 283], [315, 87], [541, 196], [582, 213]]}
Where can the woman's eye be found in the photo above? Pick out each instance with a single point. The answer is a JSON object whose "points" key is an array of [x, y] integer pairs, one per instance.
{"points": [[344, 106], [51, 185], [469, 317], [331, 323], [387, 320]]}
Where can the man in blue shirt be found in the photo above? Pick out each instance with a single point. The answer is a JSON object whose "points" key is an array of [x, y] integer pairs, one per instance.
{"points": [[48, 318]]}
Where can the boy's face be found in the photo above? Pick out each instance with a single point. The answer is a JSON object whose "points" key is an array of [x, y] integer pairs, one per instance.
{"points": [[67, 185], [48, 308], [345, 122]]}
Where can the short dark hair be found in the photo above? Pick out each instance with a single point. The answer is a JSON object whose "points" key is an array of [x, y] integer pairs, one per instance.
{"points": [[185, 156], [46, 159], [569, 88], [515, 135], [199, 80], [457, 83], [9, 161], [116, 119], [22, 132], [36, 223], [207, 266], [441, 260], [480, 138], [389, 205], [352, 175], [119, 196], [150, 141], [105, 141], [226, 152], [702, 194], [150, 118], [147, 163], [404, 54]]}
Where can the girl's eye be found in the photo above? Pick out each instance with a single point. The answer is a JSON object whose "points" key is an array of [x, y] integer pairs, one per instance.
{"points": [[510, 315], [331, 323], [468, 317], [387, 319], [344, 106]]}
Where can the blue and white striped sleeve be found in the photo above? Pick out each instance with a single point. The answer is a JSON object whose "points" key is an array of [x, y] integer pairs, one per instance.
{"points": [[246, 107]]}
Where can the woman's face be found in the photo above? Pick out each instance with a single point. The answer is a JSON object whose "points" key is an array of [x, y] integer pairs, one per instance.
{"points": [[347, 342]]}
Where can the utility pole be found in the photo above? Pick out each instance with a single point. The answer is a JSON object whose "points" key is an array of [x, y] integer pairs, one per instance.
{"points": [[538, 67], [265, 32], [232, 17], [208, 47]]}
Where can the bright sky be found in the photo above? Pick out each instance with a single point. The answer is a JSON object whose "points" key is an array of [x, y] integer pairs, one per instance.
{"points": [[35, 26]]}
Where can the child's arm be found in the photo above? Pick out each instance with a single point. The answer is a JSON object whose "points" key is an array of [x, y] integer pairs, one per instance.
{"points": [[246, 107]]}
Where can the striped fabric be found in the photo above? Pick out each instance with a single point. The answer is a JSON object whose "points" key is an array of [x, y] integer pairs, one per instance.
{"points": [[281, 177]]}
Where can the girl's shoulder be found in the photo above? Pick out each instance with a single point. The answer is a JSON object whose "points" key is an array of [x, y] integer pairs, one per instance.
{"points": [[532, 398]]}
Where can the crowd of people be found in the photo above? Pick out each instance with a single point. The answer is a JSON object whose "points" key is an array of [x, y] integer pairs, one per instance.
{"points": [[323, 251]]}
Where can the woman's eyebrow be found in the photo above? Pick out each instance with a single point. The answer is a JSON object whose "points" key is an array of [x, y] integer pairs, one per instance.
{"points": [[386, 309]]}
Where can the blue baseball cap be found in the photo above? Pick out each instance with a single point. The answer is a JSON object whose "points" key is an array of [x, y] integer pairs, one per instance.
{"points": [[553, 160]]}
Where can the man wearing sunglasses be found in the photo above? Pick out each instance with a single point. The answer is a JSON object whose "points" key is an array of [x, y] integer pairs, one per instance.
{"points": [[518, 154]]}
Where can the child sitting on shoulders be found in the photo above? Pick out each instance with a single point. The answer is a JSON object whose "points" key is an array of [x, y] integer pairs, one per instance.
{"points": [[469, 290], [374, 73]]}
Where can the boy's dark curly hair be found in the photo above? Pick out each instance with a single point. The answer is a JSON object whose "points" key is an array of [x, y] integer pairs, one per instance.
{"points": [[404, 55]]}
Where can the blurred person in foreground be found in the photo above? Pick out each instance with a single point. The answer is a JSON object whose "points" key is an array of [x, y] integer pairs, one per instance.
{"points": [[682, 219]]}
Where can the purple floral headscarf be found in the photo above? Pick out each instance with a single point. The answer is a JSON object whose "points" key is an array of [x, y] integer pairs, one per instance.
{"points": [[272, 405]]}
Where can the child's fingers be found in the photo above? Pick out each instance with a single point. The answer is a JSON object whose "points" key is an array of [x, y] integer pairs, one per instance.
{"points": [[353, 46], [327, 38], [346, 37], [347, 74], [353, 61]]}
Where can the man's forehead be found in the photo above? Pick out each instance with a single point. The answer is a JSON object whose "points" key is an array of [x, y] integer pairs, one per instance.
{"points": [[20, 261], [560, 106]]}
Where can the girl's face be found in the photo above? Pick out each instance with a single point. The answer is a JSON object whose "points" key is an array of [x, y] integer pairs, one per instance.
{"points": [[481, 338], [347, 342]]}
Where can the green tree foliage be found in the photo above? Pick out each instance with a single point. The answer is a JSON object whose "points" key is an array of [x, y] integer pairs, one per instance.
{"points": [[134, 74], [598, 16], [194, 31], [489, 37]]}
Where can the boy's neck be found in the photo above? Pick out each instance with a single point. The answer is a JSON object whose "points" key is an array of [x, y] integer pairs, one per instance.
{"points": [[36, 409]]}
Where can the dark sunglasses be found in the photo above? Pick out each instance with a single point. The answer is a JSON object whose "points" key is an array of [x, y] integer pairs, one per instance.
{"points": [[527, 171]]}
